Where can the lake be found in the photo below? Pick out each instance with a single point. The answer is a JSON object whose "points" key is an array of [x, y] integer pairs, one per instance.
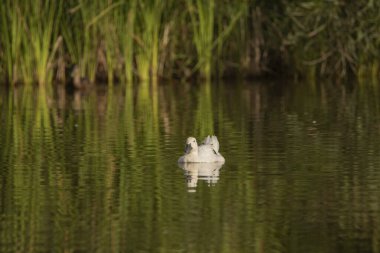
{"points": [[96, 171]]}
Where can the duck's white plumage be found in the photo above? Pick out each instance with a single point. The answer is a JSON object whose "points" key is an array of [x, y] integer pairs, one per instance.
{"points": [[207, 152]]}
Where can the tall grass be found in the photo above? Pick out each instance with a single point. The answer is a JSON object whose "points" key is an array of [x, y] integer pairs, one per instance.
{"points": [[11, 27], [149, 27], [89, 10], [126, 39], [108, 51], [202, 14], [126, 20], [202, 20], [29, 39], [42, 33]]}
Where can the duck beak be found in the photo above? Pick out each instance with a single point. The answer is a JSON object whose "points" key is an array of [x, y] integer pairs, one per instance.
{"points": [[187, 148]]}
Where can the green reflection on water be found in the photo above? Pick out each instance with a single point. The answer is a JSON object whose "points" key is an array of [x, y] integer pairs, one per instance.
{"points": [[97, 171]]}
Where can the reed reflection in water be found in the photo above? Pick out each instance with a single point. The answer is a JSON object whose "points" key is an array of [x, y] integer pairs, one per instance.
{"points": [[97, 171]]}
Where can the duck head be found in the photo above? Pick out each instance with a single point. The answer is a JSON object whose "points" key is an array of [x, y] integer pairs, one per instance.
{"points": [[191, 145]]}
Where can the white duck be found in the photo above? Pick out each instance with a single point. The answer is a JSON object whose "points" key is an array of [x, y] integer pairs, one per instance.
{"points": [[207, 152]]}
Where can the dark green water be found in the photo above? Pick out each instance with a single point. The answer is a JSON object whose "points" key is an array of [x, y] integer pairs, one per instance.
{"points": [[97, 171]]}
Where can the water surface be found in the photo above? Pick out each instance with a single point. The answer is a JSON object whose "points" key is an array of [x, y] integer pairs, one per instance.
{"points": [[97, 171]]}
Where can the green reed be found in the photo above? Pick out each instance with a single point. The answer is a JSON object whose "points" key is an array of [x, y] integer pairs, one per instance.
{"points": [[126, 16], [32, 44], [30, 39], [72, 30], [10, 40], [148, 37], [205, 38], [89, 11], [202, 20], [107, 23], [107, 39], [44, 36], [82, 37]]}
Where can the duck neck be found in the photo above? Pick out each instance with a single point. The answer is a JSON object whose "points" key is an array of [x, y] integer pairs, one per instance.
{"points": [[194, 152]]}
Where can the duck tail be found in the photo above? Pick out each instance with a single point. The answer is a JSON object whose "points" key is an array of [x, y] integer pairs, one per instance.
{"points": [[215, 143], [207, 140], [212, 140]]}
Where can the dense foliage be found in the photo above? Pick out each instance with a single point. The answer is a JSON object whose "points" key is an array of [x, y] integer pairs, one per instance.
{"points": [[43, 40]]}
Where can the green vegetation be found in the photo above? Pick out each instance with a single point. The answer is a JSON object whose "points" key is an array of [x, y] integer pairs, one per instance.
{"points": [[29, 39], [42, 41]]}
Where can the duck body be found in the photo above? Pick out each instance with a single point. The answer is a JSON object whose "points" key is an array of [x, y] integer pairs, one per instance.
{"points": [[207, 152]]}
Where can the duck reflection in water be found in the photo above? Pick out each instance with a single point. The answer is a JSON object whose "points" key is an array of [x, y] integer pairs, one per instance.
{"points": [[208, 172]]}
